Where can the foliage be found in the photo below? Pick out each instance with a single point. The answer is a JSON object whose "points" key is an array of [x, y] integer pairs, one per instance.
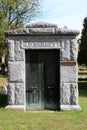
{"points": [[2, 37], [82, 56], [15, 14]]}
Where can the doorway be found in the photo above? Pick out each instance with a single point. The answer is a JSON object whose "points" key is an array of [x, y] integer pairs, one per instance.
{"points": [[42, 79]]}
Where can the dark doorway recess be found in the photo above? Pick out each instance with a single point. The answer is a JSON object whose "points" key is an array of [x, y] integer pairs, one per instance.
{"points": [[42, 79]]}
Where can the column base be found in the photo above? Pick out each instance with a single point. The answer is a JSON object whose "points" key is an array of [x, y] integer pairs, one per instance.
{"points": [[70, 107], [18, 107]]}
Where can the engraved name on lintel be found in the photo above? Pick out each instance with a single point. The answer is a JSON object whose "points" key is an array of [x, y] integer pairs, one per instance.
{"points": [[26, 45]]}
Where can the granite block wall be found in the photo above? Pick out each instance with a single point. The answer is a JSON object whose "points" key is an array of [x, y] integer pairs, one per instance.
{"points": [[43, 36]]}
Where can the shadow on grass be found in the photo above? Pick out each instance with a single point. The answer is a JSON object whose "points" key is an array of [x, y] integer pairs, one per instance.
{"points": [[83, 89], [3, 75], [3, 100], [84, 79]]}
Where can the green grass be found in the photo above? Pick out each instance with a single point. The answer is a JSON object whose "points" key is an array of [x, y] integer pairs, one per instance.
{"points": [[65, 120], [15, 120], [3, 80], [58, 120]]}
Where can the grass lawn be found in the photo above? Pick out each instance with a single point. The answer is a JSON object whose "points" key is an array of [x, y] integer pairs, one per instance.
{"points": [[63, 120], [3, 80]]}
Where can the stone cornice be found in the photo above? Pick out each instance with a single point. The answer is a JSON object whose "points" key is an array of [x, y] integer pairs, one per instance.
{"points": [[42, 25], [41, 29]]}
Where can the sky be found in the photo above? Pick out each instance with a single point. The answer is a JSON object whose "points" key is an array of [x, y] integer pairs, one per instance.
{"points": [[70, 13]]}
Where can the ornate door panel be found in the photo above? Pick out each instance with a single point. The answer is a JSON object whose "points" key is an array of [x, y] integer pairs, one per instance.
{"points": [[33, 81]]}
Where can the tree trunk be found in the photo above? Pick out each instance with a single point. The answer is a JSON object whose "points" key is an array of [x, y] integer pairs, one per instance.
{"points": [[3, 64], [3, 59]]}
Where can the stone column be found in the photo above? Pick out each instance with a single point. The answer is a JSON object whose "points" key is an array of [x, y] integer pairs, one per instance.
{"points": [[69, 77], [16, 74]]}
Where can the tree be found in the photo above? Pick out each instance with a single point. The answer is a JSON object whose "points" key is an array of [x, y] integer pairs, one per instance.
{"points": [[19, 12], [2, 37], [82, 55], [15, 14]]}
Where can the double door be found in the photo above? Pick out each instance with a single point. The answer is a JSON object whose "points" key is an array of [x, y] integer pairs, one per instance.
{"points": [[42, 79]]}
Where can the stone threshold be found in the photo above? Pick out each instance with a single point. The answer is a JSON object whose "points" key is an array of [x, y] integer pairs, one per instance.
{"points": [[22, 107]]}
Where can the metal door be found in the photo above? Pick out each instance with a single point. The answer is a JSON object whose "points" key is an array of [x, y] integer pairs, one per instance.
{"points": [[42, 79], [33, 81], [52, 81]]}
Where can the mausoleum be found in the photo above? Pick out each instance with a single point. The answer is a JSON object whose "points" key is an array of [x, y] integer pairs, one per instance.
{"points": [[42, 68]]}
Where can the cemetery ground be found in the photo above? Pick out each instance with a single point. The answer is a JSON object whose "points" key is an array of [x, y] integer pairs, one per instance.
{"points": [[55, 120]]}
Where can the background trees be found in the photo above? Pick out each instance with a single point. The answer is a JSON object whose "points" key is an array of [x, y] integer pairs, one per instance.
{"points": [[15, 14], [18, 12], [82, 56]]}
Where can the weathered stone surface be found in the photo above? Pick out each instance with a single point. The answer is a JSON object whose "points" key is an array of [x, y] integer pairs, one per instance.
{"points": [[36, 38], [61, 42], [42, 29], [74, 94], [11, 94], [42, 25], [19, 93], [16, 71], [16, 94], [22, 31], [65, 94], [65, 50], [70, 107], [43, 36], [66, 31], [68, 74], [11, 50], [73, 50], [69, 94], [19, 52], [18, 107]]}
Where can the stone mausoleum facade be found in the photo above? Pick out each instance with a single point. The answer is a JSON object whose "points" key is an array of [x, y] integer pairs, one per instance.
{"points": [[42, 68]]}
